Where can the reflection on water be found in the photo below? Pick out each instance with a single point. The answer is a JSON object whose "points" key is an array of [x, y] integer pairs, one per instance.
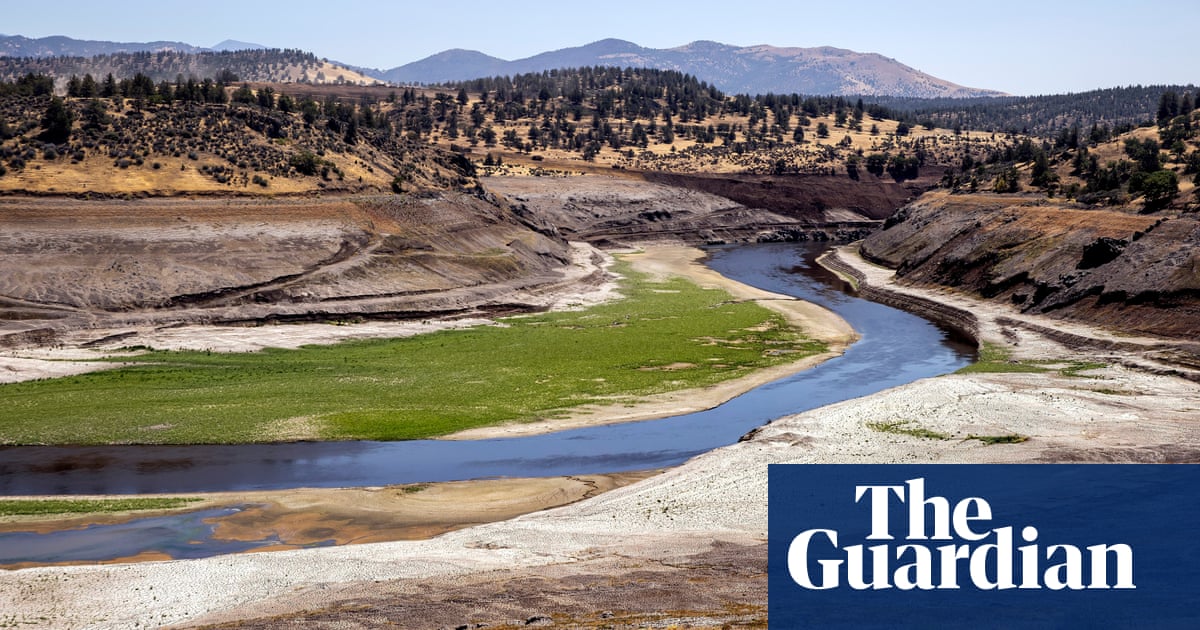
{"points": [[896, 348]]}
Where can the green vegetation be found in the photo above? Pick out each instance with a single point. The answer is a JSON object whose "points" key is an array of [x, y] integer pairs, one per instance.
{"points": [[1011, 438], [1074, 368], [39, 507], [994, 358], [906, 427], [663, 336]]}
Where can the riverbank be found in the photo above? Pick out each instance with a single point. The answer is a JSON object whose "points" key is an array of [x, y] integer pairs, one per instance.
{"points": [[672, 260], [690, 541]]}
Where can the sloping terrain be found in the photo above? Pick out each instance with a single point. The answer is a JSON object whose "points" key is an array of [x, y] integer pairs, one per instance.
{"points": [[703, 209], [74, 264], [1124, 271], [164, 61]]}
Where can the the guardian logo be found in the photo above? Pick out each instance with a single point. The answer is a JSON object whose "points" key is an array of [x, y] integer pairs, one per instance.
{"points": [[948, 546]]}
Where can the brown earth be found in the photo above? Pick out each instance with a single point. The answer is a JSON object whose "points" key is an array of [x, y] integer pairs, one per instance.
{"points": [[812, 199], [724, 586], [70, 265], [1129, 272], [640, 206]]}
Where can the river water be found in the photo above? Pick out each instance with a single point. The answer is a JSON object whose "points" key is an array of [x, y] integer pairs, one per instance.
{"points": [[896, 348]]}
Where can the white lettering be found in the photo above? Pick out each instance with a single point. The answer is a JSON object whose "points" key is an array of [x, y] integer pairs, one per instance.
{"points": [[879, 508], [1124, 555], [798, 561]]}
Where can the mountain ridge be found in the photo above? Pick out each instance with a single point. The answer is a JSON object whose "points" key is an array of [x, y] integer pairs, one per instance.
{"points": [[755, 69], [62, 46]]}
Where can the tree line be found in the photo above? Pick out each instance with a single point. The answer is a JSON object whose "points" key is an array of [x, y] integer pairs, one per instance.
{"points": [[1118, 109]]}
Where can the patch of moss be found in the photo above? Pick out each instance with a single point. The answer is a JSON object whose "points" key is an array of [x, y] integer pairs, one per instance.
{"points": [[906, 427], [994, 358]]}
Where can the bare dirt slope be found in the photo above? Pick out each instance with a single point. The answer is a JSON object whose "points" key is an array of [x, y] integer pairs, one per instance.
{"points": [[68, 265], [634, 207], [1129, 272]]}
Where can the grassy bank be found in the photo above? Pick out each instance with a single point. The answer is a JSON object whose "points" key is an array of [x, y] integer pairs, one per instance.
{"points": [[47, 507], [664, 335]]}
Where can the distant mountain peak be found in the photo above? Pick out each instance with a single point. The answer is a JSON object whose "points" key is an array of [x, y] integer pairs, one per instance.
{"points": [[612, 43], [703, 45], [233, 44]]}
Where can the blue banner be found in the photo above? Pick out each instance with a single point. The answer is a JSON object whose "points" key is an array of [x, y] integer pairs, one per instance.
{"points": [[984, 546]]}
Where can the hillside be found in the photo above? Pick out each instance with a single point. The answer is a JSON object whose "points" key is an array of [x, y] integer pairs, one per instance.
{"points": [[245, 235], [733, 69], [272, 65], [206, 138], [1045, 115], [1127, 272], [137, 136], [1101, 231]]}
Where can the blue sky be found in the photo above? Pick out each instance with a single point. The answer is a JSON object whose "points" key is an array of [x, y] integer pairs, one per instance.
{"points": [[1017, 46]]}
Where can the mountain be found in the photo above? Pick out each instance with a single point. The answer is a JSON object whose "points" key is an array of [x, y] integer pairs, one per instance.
{"points": [[233, 44], [449, 65], [59, 46], [732, 69]]}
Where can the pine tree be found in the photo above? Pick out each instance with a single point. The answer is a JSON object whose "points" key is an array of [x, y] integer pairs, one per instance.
{"points": [[57, 122]]}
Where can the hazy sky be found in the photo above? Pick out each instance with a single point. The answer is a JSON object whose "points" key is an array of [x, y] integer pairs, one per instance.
{"points": [[1017, 46]]}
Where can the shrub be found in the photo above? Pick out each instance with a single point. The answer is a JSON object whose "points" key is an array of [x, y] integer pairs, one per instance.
{"points": [[305, 163]]}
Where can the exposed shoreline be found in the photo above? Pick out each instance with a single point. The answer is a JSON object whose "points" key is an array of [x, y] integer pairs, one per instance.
{"points": [[707, 517], [300, 517]]}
